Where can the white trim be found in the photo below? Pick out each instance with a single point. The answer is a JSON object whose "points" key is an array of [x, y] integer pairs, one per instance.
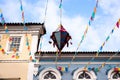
{"points": [[21, 43], [54, 71], [34, 44], [30, 71], [77, 63], [110, 74], [78, 71]]}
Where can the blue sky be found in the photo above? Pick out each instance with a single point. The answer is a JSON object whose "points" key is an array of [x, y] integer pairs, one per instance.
{"points": [[76, 14]]}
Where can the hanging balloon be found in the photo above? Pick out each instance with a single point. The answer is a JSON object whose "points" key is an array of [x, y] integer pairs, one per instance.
{"points": [[60, 38]]}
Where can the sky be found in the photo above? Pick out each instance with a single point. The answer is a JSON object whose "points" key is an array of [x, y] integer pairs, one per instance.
{"points": [[75, 17]]}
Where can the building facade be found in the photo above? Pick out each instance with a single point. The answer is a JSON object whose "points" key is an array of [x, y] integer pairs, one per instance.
{"points": [[48, 68], [17, 46]]}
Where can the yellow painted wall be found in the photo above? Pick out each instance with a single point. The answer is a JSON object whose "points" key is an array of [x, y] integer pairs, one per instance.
{"points": [[14, 70], [24, 54]]}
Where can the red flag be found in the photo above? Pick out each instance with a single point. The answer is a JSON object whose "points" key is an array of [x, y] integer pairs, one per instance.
{"points": [[118, 23]]}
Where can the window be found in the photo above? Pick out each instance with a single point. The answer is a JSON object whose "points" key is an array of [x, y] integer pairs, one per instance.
{"points": [[84, 75], [50, 74], [81, 74], [14, 43], [115, 75]]}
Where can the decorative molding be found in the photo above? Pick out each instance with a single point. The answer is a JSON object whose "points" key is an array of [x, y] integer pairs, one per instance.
{"points": [[54, 71], [90, 73]]}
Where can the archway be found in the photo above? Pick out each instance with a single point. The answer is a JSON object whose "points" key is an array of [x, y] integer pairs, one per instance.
{"points": [[113, 75], [81, 74], [50, 74]]}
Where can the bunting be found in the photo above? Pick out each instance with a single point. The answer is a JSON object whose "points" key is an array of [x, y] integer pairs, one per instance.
{"points": [[103, 44], [60, 6], [86, 30], [3, 21], [108, 37], [22, 11], [63, 69], [118, 23], [2, 50], [110, 58], [25, 28]]}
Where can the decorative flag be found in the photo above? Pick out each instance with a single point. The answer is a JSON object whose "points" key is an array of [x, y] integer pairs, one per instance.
{"points": [[86, 30], [63, 69], [3, 22], [60, 38], [0, 47], [2, 50], [101, 47], [60, 4], [117, 69], [23, 19], [118, 23]]}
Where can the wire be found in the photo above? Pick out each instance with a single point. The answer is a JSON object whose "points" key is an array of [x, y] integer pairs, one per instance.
{"points": [[46, 8], [101, 47], [85, 32]]}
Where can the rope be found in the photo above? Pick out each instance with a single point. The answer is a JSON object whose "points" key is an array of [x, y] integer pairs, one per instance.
{"points": [[46, 7], [85, 32], [3, 21], [22, 11], [60, 6], [101, 47], [56, 58], [110, 58]]}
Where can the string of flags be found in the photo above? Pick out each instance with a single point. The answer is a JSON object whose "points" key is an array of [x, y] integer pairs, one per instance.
{"points": [[60, 6], [10, 39], [3, 22], [117, 69], [86, 30], [2, 50], [23, 19], [63, 69], [103, 44], [25, 28], [110, 58]]}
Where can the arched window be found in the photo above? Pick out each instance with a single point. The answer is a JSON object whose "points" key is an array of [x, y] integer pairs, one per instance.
{"points": [[50, 74], [84, 75], [81, 74], [113, 75]]}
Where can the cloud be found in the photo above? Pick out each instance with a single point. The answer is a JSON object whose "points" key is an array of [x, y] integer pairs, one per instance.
{"points": [[106, 17]]}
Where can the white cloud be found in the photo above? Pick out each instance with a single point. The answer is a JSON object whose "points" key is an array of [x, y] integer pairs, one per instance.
{"points": [[76, 25]]}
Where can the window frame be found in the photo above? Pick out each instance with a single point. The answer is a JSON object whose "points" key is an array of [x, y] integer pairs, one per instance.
{"points": [[55, 72], [80, 71], [111, 73], [21, 43]]}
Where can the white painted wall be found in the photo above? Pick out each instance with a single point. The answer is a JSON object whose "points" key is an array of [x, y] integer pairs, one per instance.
{"points": [[33, 50]]}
